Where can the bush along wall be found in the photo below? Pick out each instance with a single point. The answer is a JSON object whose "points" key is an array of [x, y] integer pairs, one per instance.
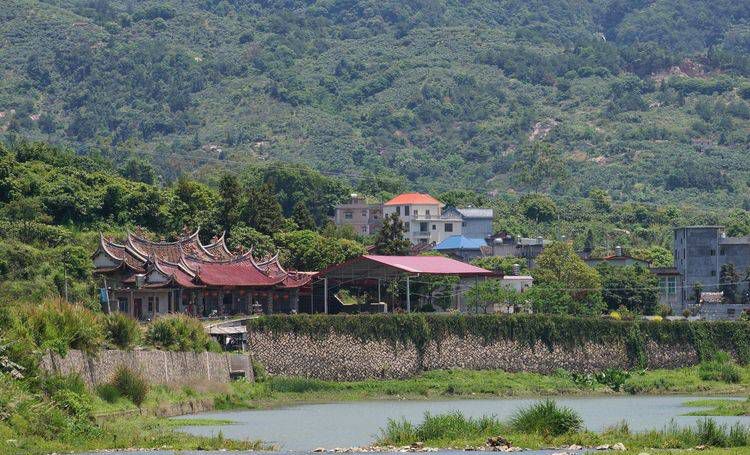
{"points": [[360, 346]]}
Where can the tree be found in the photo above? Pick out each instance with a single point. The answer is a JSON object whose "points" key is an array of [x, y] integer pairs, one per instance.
{"points": [[633, 287], [588, 244], [553, 299], [600, 200], [559, 266], [540, 164], [538, 207], [489, 293], [302, 216], [247, 237], [138, 171], [697, 291], [502, 265], [308, 250], [229, 203], [728, 282], [262, 211], [390, 239]]}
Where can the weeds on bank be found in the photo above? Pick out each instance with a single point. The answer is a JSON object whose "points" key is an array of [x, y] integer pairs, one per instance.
{"points": [[720, 407], [546, 424]]}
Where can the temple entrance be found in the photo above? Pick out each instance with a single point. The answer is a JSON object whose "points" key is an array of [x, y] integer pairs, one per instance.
{"points": [[227, 302]]}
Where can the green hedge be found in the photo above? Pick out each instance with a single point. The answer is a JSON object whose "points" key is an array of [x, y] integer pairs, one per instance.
{"points": [[563, 331]]}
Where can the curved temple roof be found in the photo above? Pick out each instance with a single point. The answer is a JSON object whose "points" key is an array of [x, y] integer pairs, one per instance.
{"points": [[189, 263]]}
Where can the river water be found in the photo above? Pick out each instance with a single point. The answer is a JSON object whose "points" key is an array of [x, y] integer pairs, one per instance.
{"points": [[304, 427]]}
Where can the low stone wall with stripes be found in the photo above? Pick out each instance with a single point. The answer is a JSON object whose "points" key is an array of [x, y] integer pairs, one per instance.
{"points": [[158, 367], [346, 358]]}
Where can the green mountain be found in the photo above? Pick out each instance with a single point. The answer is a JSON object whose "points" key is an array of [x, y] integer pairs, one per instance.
{"points": [[645, 99]]}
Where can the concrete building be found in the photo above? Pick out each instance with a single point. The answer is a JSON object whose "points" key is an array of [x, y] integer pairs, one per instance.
{"points": [[365, 218], [504, 245], [475, 222], [699, 252], [423, 217]]}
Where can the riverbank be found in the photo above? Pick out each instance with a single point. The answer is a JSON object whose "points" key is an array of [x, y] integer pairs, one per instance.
{"points": [[271, 392], [546, 424], [120, 424]]}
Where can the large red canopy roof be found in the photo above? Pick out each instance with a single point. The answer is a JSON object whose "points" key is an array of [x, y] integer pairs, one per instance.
{"points": [[421, 265]]}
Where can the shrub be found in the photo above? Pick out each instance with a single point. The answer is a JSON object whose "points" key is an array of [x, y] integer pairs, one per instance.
{"points": [[442, 427], [259, 371], [612, 378], [299, 385], [121, 330], [131, 384], [177, 332], [720, 368], [108, 392], [546, 418], [60, 326], [56, 383]]}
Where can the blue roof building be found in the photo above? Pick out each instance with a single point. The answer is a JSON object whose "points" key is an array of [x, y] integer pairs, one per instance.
{"points": [[462, 248]]}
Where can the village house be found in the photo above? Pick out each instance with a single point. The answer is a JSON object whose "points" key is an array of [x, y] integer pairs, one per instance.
{"points": [[699, 253], [365, 218], [145, 278], [505, 245]]}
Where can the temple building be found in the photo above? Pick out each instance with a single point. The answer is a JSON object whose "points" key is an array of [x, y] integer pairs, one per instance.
{"points": [[145, 278]]}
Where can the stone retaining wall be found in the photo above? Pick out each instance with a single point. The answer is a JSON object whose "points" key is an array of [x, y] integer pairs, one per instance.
{"points": [[158, 367], [343, 357]]}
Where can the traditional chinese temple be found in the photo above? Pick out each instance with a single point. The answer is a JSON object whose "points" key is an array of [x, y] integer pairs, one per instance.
{"points": [[146, 278]]}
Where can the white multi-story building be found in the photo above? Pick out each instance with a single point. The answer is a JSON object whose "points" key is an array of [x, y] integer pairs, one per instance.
{"points": [[423, 217]]}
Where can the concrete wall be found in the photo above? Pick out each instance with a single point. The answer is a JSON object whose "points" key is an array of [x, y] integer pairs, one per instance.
{"points": [[158, 367], [339, 357]]}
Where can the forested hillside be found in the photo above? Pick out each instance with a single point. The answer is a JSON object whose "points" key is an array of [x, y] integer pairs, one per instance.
{"points": [[645, 99]]}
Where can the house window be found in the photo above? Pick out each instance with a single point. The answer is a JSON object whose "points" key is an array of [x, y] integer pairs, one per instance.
{"points": [[427, 212], [434, 227], [448, 227], [713, 272], [463, 223], [722, 252], [364, 212], [406, 210], [151, 304], [348, 215], [422, 227], [672, 285], [398, 210], [713, 252], [406, 226], [122, 304], [416, 212]]}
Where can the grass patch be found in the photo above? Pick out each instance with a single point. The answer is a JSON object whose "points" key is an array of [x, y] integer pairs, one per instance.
{"points": [[720, 407], [546, 418], [454, 430]]}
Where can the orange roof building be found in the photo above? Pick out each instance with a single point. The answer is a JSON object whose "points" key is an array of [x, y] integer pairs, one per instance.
{"points": [[413, 199]]}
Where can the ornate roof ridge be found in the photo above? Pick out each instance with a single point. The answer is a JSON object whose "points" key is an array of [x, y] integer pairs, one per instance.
{"points": [[179, 265], [179, 241], [239, 258]]}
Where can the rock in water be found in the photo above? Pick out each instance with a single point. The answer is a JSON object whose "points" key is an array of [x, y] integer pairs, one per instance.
{"points": [[498, 441]]}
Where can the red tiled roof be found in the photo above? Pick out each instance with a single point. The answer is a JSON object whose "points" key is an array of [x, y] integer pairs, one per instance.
{"points": [[413, 199], [231, 273], [191, 264]]}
